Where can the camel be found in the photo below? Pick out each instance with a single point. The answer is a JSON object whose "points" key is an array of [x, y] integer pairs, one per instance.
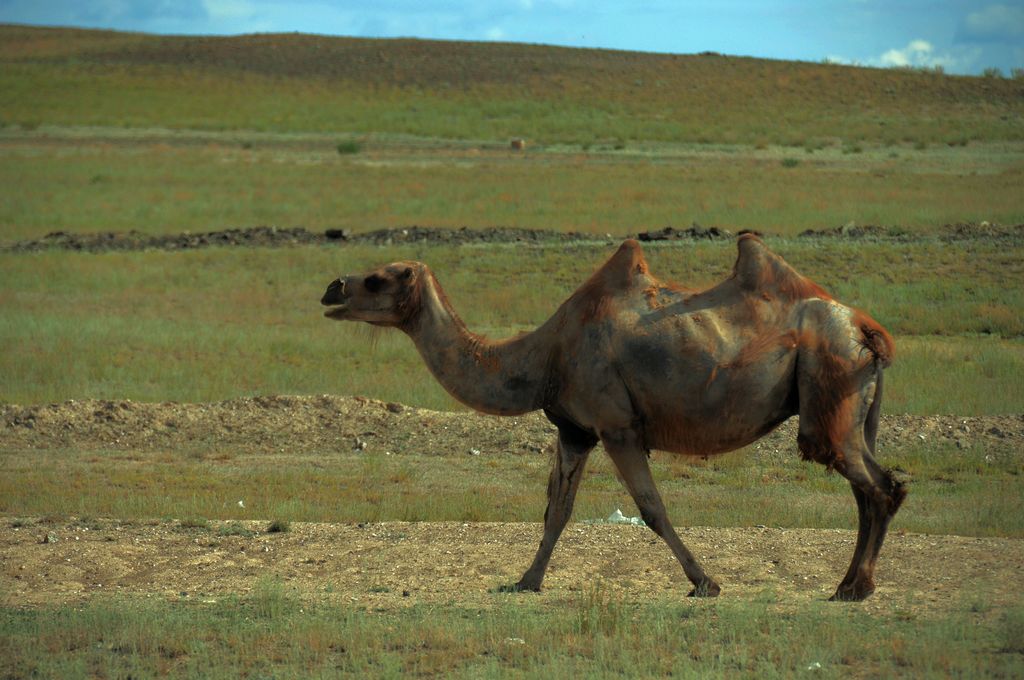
{"points": [[638, 364]]}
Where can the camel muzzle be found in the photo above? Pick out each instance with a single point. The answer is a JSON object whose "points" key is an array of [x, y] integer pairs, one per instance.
{"points": [[334, 294], [334, 297]]}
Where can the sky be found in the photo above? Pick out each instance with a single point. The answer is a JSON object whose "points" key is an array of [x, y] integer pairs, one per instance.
{"points": [[963, 37]]}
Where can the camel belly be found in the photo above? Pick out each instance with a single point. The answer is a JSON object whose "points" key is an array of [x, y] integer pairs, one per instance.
{"points": [[702, 407]]}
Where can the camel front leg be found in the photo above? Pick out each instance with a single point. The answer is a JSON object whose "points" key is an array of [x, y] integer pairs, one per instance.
{"points": [[630, 460], [566, 472]]}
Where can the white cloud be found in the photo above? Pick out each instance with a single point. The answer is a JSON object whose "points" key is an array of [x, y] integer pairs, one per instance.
{"points": [[495, 33], [916, 53], [995, 23], [922, 54]]}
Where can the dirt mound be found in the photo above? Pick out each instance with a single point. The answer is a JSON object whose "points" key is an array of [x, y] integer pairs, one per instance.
{"points": [[964, 231], [961, 231], [694, 233], [286, 236], [312, 423], [291, 236]]}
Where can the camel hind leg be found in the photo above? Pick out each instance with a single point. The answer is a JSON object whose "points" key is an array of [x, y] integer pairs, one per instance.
{"points": [[839, 411]]}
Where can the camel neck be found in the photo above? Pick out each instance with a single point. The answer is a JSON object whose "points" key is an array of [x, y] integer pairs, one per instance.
{"points": [[506, 377]]}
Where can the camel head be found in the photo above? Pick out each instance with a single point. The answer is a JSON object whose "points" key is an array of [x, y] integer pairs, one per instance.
{"points": [[387, 296]]}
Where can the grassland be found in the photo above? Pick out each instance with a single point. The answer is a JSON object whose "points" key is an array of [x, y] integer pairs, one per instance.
{"points": [[218, 323], [273, 633], [85, 180], [491, 92], [958, 492], [109, 131]]}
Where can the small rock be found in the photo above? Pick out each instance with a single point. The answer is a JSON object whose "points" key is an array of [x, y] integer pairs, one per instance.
{"points": [[395, 407], [474, 452], [49, 538], [406, 593]]}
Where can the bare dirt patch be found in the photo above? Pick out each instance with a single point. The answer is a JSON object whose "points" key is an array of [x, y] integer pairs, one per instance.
{"points": [[395, 564]]}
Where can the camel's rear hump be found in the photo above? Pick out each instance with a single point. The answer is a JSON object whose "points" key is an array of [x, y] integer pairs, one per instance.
{"points": [[759, 270]]}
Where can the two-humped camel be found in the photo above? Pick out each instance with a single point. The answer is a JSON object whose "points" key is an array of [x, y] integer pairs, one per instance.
{"points": [[638, 364]]}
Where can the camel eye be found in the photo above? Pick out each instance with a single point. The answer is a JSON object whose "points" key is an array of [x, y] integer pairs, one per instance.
{"points": [[373, 283]]}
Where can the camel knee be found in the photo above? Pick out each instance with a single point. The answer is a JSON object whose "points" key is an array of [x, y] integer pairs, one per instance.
{"points": [[897, 493], [892, 491]]}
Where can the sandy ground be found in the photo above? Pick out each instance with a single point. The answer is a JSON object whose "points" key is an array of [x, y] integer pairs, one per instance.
{"points": [[395, 564]]}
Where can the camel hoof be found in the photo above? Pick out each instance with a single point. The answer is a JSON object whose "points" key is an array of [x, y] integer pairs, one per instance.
{"points": [[705, 589], [519, 588], [852, 593]]}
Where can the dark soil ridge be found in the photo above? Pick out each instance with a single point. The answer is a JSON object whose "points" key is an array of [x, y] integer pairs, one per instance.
{"points": [[291, 236], [356, 424]]}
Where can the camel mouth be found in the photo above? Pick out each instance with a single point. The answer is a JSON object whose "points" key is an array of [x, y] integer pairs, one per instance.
{"points": [[338, 312]]}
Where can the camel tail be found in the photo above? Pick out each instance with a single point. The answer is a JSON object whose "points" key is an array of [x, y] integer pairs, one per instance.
{"points": [[874, 412], [876, 340]]}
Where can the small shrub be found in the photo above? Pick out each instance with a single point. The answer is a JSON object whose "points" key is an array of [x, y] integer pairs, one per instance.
{"points": [[1017, 73], [279, 526], [349, 146], [236, 529], [790, 162], [992, 72]]}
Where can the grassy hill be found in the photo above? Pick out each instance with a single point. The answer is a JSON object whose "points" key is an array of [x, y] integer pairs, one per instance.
{"points": [[486, 91]]}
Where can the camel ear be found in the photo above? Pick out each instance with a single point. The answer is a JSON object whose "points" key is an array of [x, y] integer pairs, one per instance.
{"points": [[405, 275]]}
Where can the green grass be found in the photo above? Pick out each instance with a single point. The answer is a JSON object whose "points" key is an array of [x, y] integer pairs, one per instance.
{"points": [[271, 633], [58, 180], [220, 323], [964, 492]]}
